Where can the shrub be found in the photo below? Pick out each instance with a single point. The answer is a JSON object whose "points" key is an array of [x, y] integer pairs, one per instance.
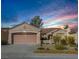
{"points": [[4, 42], [56, 39], [47, 48], [41, 48], [60, 47], [42, 39], [63, 42], [71, 40], [76, 48]]}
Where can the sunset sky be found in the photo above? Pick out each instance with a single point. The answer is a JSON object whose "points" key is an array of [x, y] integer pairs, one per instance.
{"points": [[55, 13]]}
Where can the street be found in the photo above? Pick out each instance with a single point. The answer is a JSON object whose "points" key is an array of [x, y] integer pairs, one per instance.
{"points": [[26, 52]]}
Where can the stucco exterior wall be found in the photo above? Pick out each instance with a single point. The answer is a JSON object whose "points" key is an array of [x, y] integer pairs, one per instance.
{"points": [[24, 28]]}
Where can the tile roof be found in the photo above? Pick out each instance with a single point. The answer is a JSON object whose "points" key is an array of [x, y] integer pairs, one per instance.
{"points": [[47, 30]]}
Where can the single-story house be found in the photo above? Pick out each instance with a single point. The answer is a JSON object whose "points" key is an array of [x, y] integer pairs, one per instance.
{"points": [[27, 34], [21, 34]]}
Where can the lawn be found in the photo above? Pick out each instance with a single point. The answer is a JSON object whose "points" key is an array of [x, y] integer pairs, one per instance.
{"points": [[52, 50], [57, 51]]}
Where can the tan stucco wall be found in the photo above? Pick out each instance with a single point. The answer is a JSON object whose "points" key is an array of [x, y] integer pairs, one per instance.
{"points": [[24, 28]]}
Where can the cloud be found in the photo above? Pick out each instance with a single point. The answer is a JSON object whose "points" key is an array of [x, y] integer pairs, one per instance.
{"points": [[73, 25], [61, 21]]}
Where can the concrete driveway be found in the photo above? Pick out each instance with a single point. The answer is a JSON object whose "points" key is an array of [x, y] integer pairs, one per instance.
{"points": [[26, 52]]}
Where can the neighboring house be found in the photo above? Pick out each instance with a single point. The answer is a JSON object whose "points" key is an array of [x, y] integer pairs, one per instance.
{"points": [[4, 35]]}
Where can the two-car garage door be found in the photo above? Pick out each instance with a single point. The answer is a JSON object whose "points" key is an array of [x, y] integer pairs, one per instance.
{"points": [[28, 38]]}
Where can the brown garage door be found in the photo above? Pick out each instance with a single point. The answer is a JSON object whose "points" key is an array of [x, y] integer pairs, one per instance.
{"points": [[29, 38]]}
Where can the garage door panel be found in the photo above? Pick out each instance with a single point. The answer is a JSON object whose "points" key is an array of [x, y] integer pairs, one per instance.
{"points": [[31, 38], [25, 38], [19, 39]]}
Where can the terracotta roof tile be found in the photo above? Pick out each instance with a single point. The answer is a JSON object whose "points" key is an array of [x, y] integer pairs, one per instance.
{"points": [[46, 30]]}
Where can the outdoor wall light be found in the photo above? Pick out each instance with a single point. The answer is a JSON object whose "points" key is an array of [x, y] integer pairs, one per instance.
{"points": [[24, 31]]}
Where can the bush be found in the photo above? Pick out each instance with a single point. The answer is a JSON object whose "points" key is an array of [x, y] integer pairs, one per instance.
{"points": [[41, 48], [56, 39], [47, 48], [63, 42], [4, 42], [76, 47], [71, 40], [60, 47]]}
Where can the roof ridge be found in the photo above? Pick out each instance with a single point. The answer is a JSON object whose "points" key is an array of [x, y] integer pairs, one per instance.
{"points": [[21, 24]]}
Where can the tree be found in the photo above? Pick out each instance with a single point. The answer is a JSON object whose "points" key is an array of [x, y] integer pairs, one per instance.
{"points": [[66, 26], [36, 21]]}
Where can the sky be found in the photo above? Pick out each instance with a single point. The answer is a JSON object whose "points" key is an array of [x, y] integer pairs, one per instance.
{"points": [[54, 13]]}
